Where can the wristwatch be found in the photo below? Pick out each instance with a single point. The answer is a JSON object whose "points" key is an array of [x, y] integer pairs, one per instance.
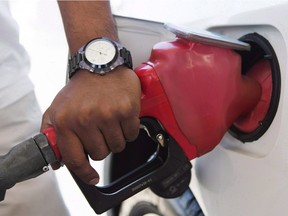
{"points": [[100, 56]]}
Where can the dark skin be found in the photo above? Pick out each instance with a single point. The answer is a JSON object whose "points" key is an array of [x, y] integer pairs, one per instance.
{"points": [[92, 113]]}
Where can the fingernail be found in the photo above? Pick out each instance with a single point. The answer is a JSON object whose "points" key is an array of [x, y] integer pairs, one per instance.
{"points": [[94, 181]]}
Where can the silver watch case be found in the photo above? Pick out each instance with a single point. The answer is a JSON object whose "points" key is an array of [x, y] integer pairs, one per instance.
{"points": [[104, 68], [80, 61]]}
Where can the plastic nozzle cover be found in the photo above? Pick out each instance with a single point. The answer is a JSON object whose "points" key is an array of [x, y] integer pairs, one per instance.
{"points": [[24, 161], [2, 195]]}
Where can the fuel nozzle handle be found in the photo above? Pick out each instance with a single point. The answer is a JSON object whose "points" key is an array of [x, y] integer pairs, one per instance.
{"points": [[24, 161], [167, 172]]}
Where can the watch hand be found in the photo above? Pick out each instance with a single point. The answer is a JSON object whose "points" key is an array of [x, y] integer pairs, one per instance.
{"points": [[101, 53]]}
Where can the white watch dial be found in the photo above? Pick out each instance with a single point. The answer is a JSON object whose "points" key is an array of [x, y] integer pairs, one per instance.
{"points": [[100, 52]]}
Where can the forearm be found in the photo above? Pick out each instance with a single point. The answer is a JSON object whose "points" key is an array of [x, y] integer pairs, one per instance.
{"points": [[85, 20]]}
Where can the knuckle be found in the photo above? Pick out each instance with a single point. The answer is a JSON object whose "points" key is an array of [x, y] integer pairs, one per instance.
{"points": [[85, 115], [118, 147], [60, 119], [123, 109], [75, 165], [126, 111], [98, 155], [131, 129], [106, 113], [132, 136]]}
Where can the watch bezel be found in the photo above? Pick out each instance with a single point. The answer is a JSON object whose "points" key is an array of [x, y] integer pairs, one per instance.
{"points": [[102, 68], [80, 61]]}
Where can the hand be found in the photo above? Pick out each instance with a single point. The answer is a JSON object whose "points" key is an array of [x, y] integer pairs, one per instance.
{"points": [[94, 114]]}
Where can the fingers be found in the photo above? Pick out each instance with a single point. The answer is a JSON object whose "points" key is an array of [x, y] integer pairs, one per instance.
{"points": [[56, 165], [92, 138], [130, 129], [94, 143], [74, 157], [97, 145], [114, 137], [125, 128], [111, 137]]}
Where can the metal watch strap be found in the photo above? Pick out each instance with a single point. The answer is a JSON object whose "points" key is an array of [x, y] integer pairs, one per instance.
{"points": [[73, 64], [126, 55]]}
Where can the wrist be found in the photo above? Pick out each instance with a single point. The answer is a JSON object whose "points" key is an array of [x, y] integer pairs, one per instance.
{"points": [[85, 20]]}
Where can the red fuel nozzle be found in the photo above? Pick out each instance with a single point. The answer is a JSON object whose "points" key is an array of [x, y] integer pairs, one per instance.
{"points": [[196, 91], [261, 72]]}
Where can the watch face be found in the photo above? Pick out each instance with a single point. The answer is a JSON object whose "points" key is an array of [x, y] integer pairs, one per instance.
{"points": [[100, 52]]}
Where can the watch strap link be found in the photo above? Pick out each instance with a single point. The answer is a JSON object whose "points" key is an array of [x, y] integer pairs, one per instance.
{"points": [[126, 55], [73, 64]]}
